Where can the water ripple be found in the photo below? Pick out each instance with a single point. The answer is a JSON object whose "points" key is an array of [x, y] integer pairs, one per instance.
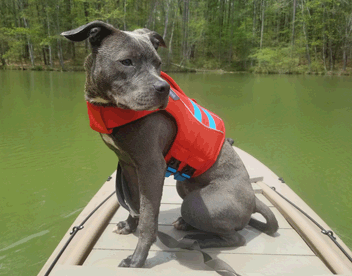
{"points": [[24, 240], [72, 213]]}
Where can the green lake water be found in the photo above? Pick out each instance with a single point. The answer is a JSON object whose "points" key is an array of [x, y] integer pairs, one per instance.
{"points": [[52, 163]]}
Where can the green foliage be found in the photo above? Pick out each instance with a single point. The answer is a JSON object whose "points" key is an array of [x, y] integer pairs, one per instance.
{"points": [[255, 35], [275, 60]]}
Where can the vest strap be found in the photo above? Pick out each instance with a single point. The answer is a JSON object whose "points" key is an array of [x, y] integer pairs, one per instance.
{"points": [[185, 173], [173, 169]]}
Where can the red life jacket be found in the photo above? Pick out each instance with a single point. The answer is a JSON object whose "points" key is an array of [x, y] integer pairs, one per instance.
{"points": [[200, 133]]}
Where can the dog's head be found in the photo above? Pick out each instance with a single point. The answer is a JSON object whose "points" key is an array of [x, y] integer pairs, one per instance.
{"points": [[124, 68]]}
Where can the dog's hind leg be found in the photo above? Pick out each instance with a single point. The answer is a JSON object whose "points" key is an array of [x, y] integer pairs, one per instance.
{"points": [[180, 224], [215, 210]]}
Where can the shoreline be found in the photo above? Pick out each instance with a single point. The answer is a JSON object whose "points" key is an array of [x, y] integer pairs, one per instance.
{"points": [[338, 72]]}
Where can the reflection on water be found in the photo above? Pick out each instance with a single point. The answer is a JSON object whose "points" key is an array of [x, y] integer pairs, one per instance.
{"points": [[51, 163]]}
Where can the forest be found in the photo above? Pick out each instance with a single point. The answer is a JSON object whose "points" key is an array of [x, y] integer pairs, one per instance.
{"points": [[262, 36]]}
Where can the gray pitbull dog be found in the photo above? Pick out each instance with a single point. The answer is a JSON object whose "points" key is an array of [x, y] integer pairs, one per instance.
{"points": [[123, 70]]}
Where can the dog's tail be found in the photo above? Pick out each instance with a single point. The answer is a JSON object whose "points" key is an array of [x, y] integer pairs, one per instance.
{"points": [[271, 225]]}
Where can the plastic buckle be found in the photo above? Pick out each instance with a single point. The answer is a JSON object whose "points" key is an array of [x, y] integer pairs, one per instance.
{"points": [[169, 171], [185, 173], [181, 176], [172, 167]]}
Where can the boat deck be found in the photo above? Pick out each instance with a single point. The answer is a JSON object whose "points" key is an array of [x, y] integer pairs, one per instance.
{"points": [[262, 253], [287, 252]]}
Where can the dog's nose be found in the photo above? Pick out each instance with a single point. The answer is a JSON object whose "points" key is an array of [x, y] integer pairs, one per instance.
{"points": [[161, 87]]}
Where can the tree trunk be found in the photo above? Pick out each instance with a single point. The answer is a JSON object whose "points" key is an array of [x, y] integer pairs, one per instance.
{"points": [[232, 19], [185, 29], [254, 27], [278, 23], [44, 56], [86, 14], [220, 29], [49, 46], [324, 41], [331, 66], [171, 37], [73, 50], [306, 37], [59, 46], [344, 59], [59, 53], [324, 53], [347, 34], [50, 56], [166, 17], [124, 15], [263, 19], [293, 23], [3, 61], [30, 45], [151, 19]]}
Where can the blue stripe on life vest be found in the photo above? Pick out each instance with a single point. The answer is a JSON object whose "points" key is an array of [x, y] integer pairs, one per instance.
{"points": [[197, 112], [210, 119]]}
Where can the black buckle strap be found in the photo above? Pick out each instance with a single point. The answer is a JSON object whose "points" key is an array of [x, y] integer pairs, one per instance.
{"points": [[172, 167], [185, 173]]}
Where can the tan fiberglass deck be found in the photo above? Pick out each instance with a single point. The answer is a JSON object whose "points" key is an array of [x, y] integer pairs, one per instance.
{"points": [[285, 253]]}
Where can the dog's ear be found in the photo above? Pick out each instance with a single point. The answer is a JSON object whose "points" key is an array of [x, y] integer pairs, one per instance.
{"points": [[156, 39], [96, 31]]}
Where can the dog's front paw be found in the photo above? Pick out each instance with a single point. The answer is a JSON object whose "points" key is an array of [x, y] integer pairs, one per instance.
{"points": [[136, 263], [124, 228], [126, 262], [180, 224]]}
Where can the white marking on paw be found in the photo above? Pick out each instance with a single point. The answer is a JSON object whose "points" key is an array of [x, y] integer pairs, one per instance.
{"points": [[132, 213]]}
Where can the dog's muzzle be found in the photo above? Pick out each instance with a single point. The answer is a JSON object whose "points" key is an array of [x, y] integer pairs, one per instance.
{"points": [[161, 87]]}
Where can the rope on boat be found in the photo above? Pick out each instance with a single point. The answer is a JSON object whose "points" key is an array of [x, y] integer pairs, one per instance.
{"points": [[73, 232], [329, 233]]}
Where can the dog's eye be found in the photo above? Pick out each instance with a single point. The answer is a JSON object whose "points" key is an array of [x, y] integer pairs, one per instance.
{"points": [[126, 62]]}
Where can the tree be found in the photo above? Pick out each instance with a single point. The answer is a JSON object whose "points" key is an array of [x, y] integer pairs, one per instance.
{"points": [[211, 34]]}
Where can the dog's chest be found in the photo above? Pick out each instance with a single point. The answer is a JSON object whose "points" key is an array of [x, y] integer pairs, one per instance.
{"points": [[109, 140]]}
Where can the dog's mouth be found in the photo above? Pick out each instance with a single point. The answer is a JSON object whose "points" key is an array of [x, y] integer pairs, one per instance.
{"points": [[138, 108], [145, 105], [164, 105]]}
